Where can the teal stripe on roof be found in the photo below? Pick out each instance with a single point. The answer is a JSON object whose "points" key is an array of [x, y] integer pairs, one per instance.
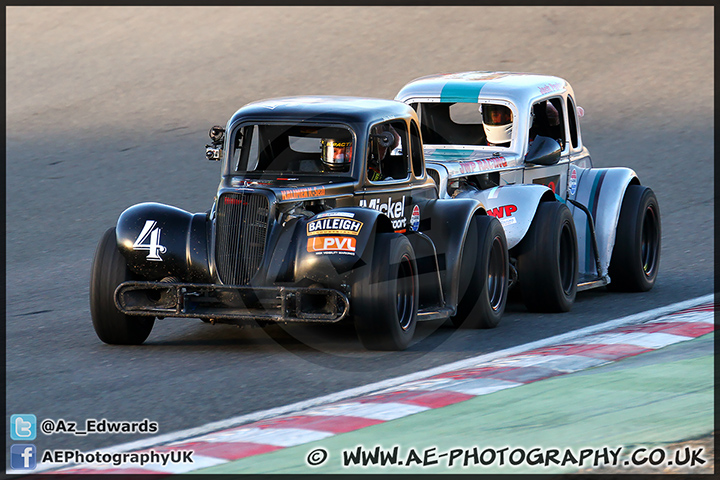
{"points": [[461, 92]]}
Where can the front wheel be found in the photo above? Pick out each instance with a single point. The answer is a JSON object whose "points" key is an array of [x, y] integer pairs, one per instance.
{"points": [[636, 255], [385, 295], [483, 275], [108, 271], [547, 260]]}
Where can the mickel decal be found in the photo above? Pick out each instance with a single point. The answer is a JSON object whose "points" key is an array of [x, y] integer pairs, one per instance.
{"points": [[334, 225], [331, 245], [153, 247], [394, 210]]}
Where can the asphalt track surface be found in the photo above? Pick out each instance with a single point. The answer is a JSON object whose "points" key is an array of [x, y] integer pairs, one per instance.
{"points": [[110, 106]]}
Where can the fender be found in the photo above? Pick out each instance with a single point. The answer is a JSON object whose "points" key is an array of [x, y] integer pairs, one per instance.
{"points": [[161, 241], [601, 190], [446, 222], [514, 206], [329, 245]]}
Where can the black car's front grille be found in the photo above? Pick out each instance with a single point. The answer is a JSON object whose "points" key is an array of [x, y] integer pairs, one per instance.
{"points": [[242, 225]]}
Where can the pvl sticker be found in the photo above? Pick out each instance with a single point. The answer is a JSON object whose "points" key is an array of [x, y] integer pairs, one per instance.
{"points": [[334, 244], [152, 235]]}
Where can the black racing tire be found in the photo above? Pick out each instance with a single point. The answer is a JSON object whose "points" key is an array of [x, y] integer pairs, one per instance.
{"points": [[484, 265], [547, 260], [385, 295], [108, 271], [635, 258]]}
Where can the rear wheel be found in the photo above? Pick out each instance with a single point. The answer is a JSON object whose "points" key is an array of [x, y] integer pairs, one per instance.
{"points": [[385, 295], [483, 275], [108, 271], [636, 255], [547, 260]]}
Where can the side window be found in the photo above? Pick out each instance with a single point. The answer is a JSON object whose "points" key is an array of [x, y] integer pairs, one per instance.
{"points": [[548, 120], [572, 118], [245, 148], [387, 153], [416, 150], [451, 123]]}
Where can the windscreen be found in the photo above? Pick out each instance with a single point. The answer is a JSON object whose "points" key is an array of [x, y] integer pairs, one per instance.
{"points": [[292, 149]]}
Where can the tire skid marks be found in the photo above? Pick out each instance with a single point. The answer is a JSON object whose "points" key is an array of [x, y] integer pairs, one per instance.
{"points": [[437, 391]]}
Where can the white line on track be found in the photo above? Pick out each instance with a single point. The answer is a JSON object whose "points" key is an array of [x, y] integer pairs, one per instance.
{"points": [[392, 382]]}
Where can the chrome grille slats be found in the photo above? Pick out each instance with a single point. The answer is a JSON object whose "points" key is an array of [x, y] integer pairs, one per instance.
{"points": [[241, 231]]}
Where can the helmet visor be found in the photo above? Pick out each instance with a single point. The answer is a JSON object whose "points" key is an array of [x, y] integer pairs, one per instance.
{"points": [[496, 114], [336, 153]]}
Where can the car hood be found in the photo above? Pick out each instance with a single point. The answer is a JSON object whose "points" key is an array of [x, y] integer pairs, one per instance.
{"points": [[289, 189], [463, 161]]}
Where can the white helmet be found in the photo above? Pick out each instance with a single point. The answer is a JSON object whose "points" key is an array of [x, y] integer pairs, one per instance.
{"points": [[497, 122]]}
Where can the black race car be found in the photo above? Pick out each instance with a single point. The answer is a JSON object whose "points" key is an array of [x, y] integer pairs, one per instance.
{"points": [[324, 213]]}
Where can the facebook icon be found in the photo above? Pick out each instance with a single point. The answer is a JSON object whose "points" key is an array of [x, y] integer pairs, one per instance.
{"points": [[22, 457]]}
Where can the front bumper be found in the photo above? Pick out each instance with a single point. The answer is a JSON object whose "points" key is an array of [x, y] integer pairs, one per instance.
{"points": [[231, 302]]}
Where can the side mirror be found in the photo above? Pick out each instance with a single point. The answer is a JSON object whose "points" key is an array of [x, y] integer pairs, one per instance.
{"points": [[543, 151], [217, 134], [385, 139], [214, 152]]}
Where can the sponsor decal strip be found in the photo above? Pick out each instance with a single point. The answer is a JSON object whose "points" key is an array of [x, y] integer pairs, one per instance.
{"points": [[570, 352], [331, 244], [393, 209], [304, 192], [330, 225]]}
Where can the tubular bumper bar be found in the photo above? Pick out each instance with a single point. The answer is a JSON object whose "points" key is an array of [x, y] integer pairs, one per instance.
{"points": [[231, 302]]}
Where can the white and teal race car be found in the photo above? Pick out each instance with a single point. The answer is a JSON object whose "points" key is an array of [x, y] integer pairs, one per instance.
{"points": [[513, 141]]}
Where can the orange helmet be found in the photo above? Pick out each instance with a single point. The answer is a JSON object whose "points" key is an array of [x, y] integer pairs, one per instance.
{"points": [[336, 154]]}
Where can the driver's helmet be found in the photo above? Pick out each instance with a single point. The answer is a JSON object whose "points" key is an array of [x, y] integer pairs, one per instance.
{"points": [[497, 122], [336, 154], [552, 114]]}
